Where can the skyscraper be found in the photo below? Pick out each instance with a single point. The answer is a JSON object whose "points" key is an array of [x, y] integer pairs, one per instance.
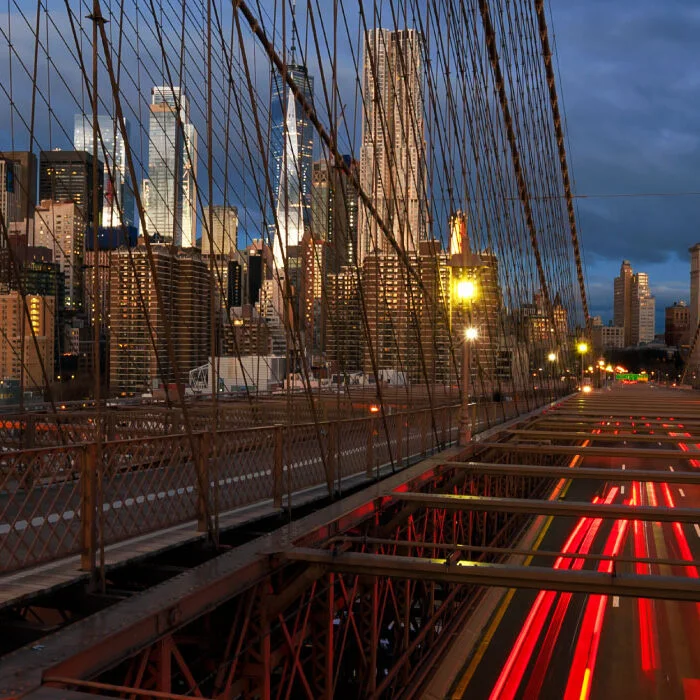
{"points": [[68, 176], [9, 192], [392, 156], [20, 355], [407, 330], [224, 233], [289, 123], [291, 211], [622, 311], [171, 197], [227, 261], [137, 359], [117, 189], [59, 226], [334, 212], [643, 310], [25, 186]]}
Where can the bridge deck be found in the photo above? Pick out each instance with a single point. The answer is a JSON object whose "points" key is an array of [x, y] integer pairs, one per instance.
{"points": [[351, 572]]}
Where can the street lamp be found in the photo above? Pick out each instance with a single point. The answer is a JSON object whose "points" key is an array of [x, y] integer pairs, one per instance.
{"points": [[552, 358], [464, 265], [582, 349], [465, 428]]}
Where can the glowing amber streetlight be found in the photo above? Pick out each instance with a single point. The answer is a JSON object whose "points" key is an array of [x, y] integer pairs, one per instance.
{"points": [[465, 290], [582, 348]]}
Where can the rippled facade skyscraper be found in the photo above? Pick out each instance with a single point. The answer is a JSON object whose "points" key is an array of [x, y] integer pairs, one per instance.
{"points": [[172, 163]]}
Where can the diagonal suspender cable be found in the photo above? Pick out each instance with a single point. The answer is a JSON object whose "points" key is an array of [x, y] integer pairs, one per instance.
{"points": [[514, 152], [554, 101]]}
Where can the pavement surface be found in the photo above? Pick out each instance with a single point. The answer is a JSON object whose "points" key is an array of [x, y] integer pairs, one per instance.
{"points": [[557, 645]]}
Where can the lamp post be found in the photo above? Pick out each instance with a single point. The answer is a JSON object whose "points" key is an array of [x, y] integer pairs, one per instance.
{"points": [[552, 358], [601, 369], [465, 426], [464, 289], [582, 348]]}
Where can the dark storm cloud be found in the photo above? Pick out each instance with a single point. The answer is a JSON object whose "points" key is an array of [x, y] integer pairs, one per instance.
{"points": [[630, 74]]}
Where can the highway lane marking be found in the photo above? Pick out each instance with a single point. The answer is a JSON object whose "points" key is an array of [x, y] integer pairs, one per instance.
{"points": [[465, 680], [127, 502], [697, 529], [682, 492], [616, 601]]}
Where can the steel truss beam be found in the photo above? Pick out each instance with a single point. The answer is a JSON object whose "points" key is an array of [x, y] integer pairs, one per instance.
{"points": [[605, 413], [501, 575], [607, 436], [529, 506], [507, 551], [586, 452], [604, 420], [611, 474]]}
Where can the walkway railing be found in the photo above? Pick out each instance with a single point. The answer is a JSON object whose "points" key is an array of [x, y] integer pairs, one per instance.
{"points": [[67, 500]]}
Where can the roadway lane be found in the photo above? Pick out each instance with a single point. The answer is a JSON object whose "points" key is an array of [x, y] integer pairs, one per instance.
{"points": [[150, 491], [576, 646]]}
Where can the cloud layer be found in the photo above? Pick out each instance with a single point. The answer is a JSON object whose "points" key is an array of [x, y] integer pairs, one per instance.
{"points": [[631, 84]]}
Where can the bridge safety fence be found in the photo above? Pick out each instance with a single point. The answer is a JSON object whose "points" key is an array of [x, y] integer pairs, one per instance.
{"points": [[60, 501]]}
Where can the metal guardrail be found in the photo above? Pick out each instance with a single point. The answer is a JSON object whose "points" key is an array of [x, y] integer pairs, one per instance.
{"points": [[66, 500]]}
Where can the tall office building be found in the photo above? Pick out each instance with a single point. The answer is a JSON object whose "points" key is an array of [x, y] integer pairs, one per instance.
{"points": [[677, 324], [643, 310], [118, 195], [169, 192], [68, 176], [334, 212], [291, 141], [60, 227], [224, 232], [407, 329], [392, 155], [220, 250], [20, 357], [622, 310], [10, 195], [344, 321], [25, 185], [138, 361], [291, 211]]}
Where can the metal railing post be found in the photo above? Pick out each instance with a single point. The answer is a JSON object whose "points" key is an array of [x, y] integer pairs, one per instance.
{"points": [[30, 432], [370, 448], [277, 467], [399, 439], [203, 480], [88, 507], [333, 457]]}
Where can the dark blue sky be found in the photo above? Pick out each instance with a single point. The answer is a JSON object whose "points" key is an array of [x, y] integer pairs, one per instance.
{"points": [[630, 80], [630, 76]]}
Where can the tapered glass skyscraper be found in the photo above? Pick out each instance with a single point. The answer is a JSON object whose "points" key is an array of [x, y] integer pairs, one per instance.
{"points": [[291, 159]]}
